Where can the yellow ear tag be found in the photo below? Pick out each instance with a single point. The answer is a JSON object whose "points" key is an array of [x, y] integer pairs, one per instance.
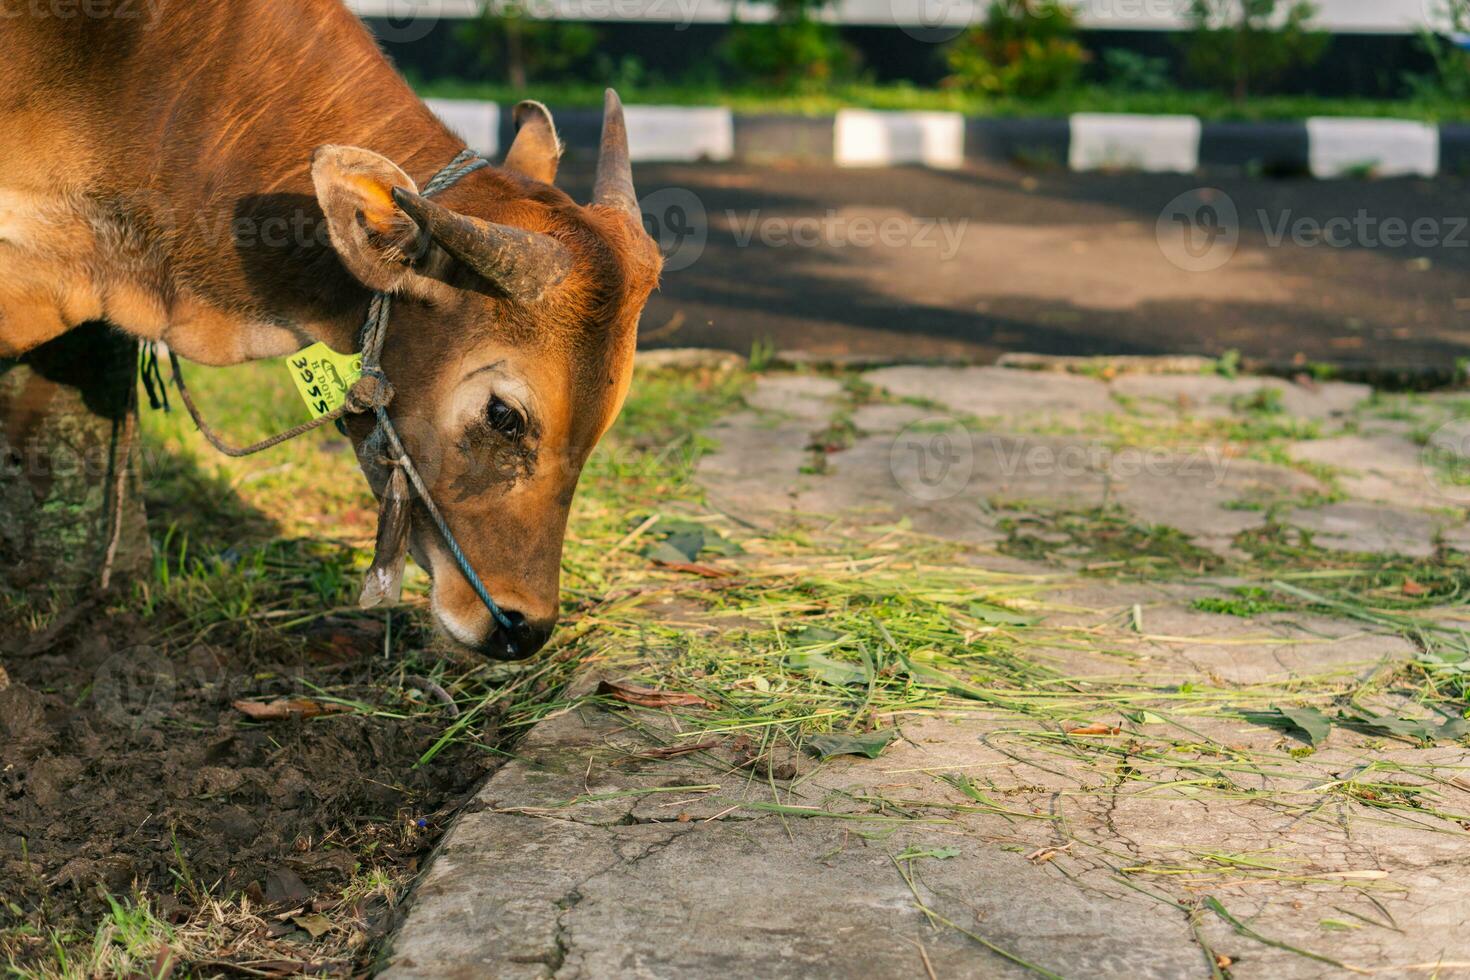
{"points": [[323, 377]]}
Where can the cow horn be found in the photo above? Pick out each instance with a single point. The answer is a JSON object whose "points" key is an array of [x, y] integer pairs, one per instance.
{"points": [[521, 263], [614, 185]]}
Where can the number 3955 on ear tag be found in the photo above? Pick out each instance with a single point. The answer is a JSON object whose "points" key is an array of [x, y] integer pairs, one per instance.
{"points": [[323, 377]]}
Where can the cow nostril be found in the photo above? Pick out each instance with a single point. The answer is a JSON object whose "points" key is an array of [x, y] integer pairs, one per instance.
{"points": [[520, 641]]}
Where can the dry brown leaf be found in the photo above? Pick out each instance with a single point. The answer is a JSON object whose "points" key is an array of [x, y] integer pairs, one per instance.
{"points": [[647, 697], [693, 568], [1413, 588], [1044, 854], [1096, 728], [284, 708], [670, 751], [316, 924]]}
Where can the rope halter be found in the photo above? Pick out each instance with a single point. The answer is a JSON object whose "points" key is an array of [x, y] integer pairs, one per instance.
{"points": [[372, 393]]}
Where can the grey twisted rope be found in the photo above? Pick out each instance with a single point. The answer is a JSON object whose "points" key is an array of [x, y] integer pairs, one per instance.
{"points": [[372, 393], [238, 452]]}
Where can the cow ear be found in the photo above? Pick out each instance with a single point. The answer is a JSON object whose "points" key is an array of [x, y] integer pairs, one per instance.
{"points": [[376, 241], [536, 150]]}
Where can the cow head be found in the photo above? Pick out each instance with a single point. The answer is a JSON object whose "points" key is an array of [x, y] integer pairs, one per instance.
{"points": [[510, 350]]}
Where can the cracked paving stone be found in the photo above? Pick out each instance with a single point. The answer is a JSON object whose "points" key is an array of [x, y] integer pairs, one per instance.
{"points": [[1086, 856]]}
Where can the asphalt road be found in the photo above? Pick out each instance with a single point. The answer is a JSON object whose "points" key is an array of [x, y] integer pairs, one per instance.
{"points": [[975, 263]]}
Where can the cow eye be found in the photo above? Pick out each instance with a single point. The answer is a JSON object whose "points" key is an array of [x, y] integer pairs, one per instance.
{"points": [[505, 420]]}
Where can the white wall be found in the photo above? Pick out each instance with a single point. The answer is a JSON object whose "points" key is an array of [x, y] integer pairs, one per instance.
{"points": [[1349, 16]]}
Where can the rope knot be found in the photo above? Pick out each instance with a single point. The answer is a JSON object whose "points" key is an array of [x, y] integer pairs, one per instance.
{"points": [[371, 392]]}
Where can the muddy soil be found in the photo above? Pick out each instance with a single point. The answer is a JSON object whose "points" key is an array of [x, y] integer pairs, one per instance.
{"points": [[123, 766]]}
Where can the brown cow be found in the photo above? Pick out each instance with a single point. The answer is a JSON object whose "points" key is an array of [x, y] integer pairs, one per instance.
{"points": [[221, 176]]}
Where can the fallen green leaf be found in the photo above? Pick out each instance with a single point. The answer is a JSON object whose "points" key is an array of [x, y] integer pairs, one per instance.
{"points": [[870, 745], [999, 615], [834, 672], [668, 554], [1422, 729], [939, 853], [1306, 721], [1314, 723]]}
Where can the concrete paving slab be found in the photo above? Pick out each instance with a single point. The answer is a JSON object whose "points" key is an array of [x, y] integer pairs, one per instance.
{"points": [[1263, 649], [987, 392], [1215, 396], [1354, 526], [990, 831], [1383, 468], [802, 397], [531, 883], [1196, 492], [757, 470]]}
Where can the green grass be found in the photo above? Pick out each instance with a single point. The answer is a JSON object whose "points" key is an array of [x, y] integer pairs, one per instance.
{"points": [[809, 635], [1106, 542], [129, 940], [1206, 105], [249, 553]]}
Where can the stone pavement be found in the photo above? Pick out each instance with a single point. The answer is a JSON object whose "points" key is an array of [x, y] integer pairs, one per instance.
{"points": [[1166, 831]]}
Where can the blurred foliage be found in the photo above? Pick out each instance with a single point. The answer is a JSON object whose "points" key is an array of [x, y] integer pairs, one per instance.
{"points": [[1245, 46], [1449, 26], [1130, 71], [1025, 48], [794, 51], [826, 99], [519, 45]]}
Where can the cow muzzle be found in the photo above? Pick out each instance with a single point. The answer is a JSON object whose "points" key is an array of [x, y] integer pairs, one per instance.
{"points": [[384, 584], [521, 641]]}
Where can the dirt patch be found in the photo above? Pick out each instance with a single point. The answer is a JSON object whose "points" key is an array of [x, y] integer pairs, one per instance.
{"points": [[126, 772]]}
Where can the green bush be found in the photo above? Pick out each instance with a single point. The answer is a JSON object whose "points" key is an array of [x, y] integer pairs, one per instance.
{"points": [[1129, 71], [793, 51], [1025, 48], [517, 46], [1245, 46], [1451, 76]]}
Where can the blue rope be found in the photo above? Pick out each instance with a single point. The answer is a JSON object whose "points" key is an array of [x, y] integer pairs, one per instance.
{"points": [[374, 396], [374, 332]]}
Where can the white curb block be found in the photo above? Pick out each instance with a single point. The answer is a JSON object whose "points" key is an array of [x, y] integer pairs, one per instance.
{"points": [[680, 134], [1388, 147], [475, 122], [1154, 144], [866, 138]]}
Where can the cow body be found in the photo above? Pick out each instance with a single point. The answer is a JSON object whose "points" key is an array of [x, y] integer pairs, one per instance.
{"points": [[155, 170], [222, 176]]}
